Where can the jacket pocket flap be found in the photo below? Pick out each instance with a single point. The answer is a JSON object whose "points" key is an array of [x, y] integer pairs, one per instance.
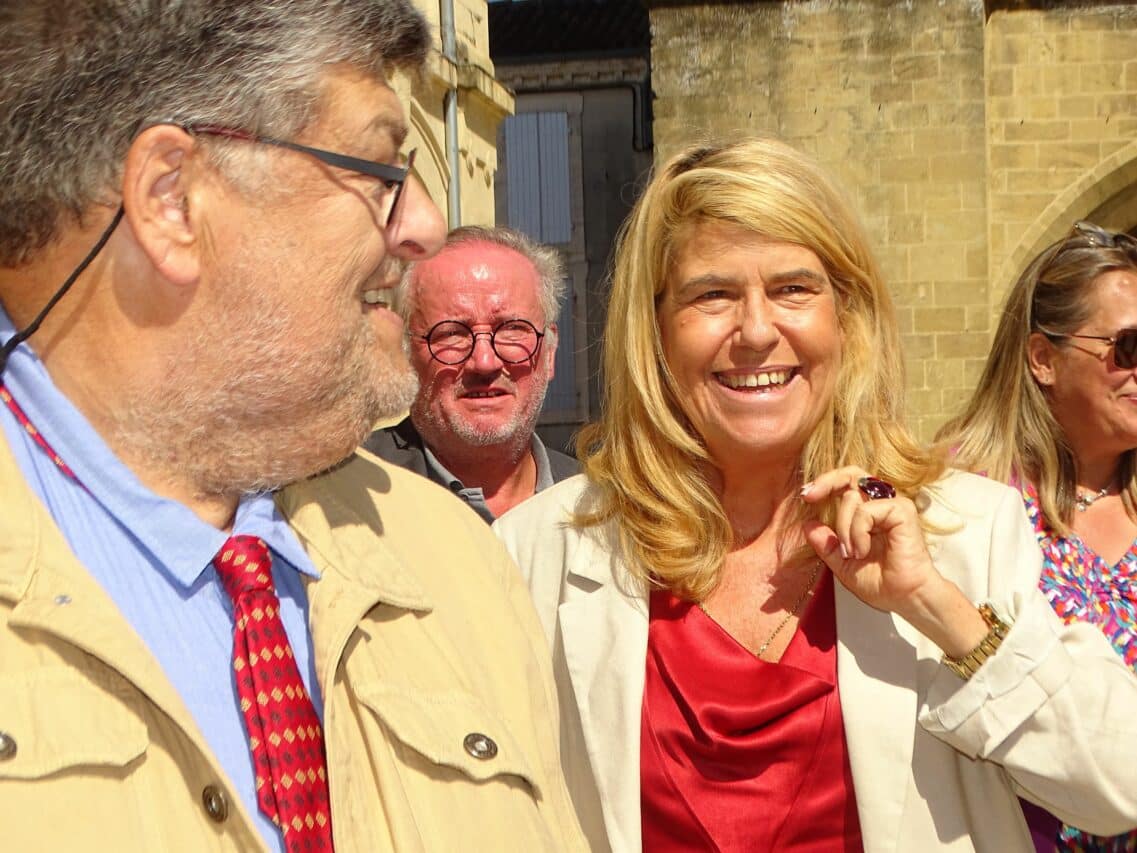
{"points": [[54, 719], [450, 728]]}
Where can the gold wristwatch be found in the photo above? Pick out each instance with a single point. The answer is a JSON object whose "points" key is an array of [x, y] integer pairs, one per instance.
{"points": [[969, 664]]}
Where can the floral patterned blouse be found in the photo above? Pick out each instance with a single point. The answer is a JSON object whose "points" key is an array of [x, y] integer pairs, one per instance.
{"points": [[1082, 587]]}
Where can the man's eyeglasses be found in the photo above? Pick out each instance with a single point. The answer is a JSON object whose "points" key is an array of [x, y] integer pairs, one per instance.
{"points": [[1124, 345], [393, 177], [451, 341]]}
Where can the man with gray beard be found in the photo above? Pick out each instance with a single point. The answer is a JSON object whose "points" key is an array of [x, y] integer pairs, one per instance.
{"points": [[221, 627], [481, 323]]}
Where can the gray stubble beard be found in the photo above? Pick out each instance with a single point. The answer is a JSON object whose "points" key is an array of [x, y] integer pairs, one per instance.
{"points": [[257, 430]]}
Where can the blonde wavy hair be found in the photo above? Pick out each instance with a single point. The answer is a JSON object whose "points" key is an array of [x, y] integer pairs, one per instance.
{"points": [[1007, 430], [648, 462]]}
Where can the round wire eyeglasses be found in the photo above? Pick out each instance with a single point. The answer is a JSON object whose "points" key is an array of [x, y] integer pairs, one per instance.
{"points": [[452, 341]]}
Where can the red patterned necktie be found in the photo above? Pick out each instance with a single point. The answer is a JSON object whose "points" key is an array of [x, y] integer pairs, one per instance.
{"points": [[284, 732]]}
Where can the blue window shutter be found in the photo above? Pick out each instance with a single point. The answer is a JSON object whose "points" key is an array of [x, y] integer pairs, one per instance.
{"points": [[538, 199], [561, 395]]}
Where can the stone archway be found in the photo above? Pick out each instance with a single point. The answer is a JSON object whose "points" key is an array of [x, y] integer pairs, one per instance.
{"points": [[1105, 195]]}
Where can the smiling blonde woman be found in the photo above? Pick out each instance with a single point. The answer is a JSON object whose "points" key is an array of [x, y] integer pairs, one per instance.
{"points": [[776, 622]]}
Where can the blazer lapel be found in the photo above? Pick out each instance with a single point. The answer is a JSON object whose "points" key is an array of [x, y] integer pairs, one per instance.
{"points": [[876, 676], [604, 623]]}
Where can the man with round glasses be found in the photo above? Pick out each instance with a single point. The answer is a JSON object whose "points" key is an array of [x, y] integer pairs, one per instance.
{"points": [[482, 332]]}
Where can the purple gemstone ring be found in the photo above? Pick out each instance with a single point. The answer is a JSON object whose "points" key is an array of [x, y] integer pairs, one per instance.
{"points": [[876, 489]]}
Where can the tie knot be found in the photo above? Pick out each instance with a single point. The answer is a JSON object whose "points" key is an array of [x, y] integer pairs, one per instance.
{"points": [[244, 565]]}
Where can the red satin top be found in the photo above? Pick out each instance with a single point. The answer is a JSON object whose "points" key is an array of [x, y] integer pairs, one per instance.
{"points": [[737, 754]]}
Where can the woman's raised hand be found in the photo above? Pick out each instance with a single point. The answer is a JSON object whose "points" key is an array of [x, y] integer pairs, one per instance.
{"points": [[876, 549]]}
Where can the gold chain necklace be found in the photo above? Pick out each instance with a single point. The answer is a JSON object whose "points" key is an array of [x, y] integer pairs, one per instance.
{"points": [[806, 593]]}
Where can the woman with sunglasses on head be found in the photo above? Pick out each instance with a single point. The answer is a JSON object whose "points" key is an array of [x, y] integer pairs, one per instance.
{"points": [[777, 623], [1055, 414]]}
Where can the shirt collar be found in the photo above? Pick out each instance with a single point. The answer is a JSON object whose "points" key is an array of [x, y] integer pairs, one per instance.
{"points": [[440, 471], [474, 496], [541, 457], [176, 538], [536, 446]]}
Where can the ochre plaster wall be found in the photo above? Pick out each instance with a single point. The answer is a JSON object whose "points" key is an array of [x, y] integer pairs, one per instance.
{"points": [[482, 104]]}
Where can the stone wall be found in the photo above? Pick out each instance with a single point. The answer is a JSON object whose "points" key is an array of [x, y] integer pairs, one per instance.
{"points": [[1061, 128], [953, 133]]}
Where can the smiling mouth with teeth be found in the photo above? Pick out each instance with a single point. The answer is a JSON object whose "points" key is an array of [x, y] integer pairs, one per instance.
{"points": [[484, 394], [766, 379]]}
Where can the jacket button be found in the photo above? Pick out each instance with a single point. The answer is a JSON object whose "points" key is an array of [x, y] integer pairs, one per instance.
{"points": [[7, 746], [480, 746], [215, 802]]}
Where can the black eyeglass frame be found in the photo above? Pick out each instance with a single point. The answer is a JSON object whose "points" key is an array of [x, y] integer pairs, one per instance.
{"points": [[393, 177], [1125, 357], [492, 335]]}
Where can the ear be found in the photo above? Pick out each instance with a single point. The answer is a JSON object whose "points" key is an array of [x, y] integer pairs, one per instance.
{"points": [[156, 201], [1040, 353], [418, 353], [550, 349]]}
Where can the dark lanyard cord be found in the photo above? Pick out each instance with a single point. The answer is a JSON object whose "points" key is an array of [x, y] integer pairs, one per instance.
{"points": [[31, 328]]}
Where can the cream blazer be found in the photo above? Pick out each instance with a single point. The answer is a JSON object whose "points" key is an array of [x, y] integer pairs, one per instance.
{"points": [[937, 762]]}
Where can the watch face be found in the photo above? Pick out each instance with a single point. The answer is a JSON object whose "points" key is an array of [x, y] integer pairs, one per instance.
{"points": [[993, 621], [969, 664]]}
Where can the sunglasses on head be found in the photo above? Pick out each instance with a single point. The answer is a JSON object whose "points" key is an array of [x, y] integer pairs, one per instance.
{"points": [[1086, 235], [1095, 235], [1124, 345]]}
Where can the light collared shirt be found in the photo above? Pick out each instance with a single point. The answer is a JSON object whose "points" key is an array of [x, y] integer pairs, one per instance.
{"points": [[153, 556], [473, 495]]}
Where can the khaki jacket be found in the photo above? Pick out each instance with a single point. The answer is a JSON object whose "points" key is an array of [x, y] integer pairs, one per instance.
{"points": [[422, 635], [938, 763]]}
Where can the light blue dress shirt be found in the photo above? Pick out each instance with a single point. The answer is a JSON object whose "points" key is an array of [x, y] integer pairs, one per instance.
{"points": [[153, 557]]}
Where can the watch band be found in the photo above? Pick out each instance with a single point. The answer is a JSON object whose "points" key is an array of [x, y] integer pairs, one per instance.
{"points": [[969, 664]]}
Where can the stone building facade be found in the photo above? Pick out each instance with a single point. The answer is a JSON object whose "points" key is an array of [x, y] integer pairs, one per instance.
{"points": [[482, 104], [969, 135], [580, 72]]}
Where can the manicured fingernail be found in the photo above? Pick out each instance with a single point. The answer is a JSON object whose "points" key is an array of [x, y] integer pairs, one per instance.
{"points": [[805, 489], [844, 552]]}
